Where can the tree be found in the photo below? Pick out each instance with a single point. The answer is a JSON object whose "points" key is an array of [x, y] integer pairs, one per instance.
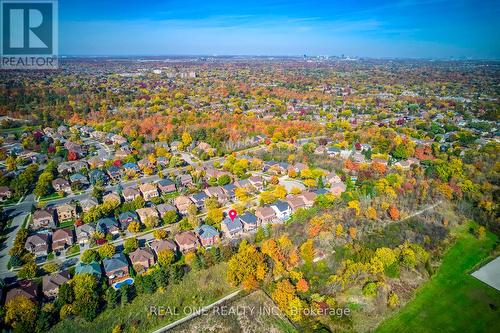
{"points": [[246, 265], [160, 234], [286, 298], [106, 251], [28, 271], [186, 139], [112, 298], [86, 289], [393, 300], [21, 313], [166, 257], [98, 191], [130, 245], [307, 251], [241, 194], [134, 226], [224, 180], [65, 295], [89, 255], [302, 286], [170, 217], [371, 213], [51, 267], [214, 216], [393, 212], [151, 222]]}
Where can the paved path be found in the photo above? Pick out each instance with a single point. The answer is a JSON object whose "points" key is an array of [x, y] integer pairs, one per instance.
{"points": [[17, 213], [197, 313]]}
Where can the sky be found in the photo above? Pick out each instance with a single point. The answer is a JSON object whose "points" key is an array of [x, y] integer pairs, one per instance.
{"points": [[378, 29]]}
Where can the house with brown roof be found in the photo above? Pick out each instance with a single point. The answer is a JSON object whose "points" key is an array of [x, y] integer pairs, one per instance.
{"points": [[112, 197], [52, 282], [130, 193], [88, 203], [295, 202], [148, 191], [147, 212], [96, 162], [43, 219], [257, 182], [308, 197], [142, 259], [62, 239], [187, 241], [182, 203], [38, 244], [337, 189], [159, 245], [166, 186], [265, 215], [185, 180], [218, 193], [25, 288], [66, 212], [61, 184]]}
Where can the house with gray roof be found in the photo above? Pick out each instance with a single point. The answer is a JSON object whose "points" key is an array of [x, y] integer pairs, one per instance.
{"points": [[231, 228], [116, 267], [207, 234]]}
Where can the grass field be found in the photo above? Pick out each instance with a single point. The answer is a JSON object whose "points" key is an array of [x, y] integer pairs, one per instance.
{"points": [[197, 289], [255, 312], [453, 301]]}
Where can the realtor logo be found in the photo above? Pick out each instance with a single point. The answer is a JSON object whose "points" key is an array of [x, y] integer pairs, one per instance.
{"points": [[29, 34]]}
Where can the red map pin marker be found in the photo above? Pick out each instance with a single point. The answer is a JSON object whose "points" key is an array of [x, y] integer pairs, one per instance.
{"points": [[232, 214]]}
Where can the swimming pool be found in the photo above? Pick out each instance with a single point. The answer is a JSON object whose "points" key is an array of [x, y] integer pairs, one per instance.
{"points": [[128, 281]]}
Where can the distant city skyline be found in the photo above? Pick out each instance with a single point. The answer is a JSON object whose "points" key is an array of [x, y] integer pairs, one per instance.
{"points": [[376, 29]]}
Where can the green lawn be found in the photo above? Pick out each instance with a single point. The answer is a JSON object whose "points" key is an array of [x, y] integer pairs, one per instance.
{"points": [[197, 289], [52, 196], [453, 301]]}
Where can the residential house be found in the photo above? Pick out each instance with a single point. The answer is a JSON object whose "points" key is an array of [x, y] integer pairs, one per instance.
{"points": [[282, 209], [131, 168], [265, 215], [182, 203], [229, 190], [164, 208], [295, 202], [112, 197], [116, 268], [78, 178], [96, 162], [142, 259], [84, 233], [108, 225], [62, 239], [145, 163], [128, 217], [186, 241], [337, 188], [118, 139], [38, 244], [148, 191], [66, 212], [147, 212], [114, 172], [88, 203], [243, 183], [25, 288], [249, 221], [218, 193], [61, 184], [5, 193], [97, 176], [231, 228], [52, 282], [198, 199], [257, 182], [43, 219], [207, 234], [159, 245], [166, 186], [93, 268], [131, 193], [185, 180], [332, 178], [309, 198]]}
